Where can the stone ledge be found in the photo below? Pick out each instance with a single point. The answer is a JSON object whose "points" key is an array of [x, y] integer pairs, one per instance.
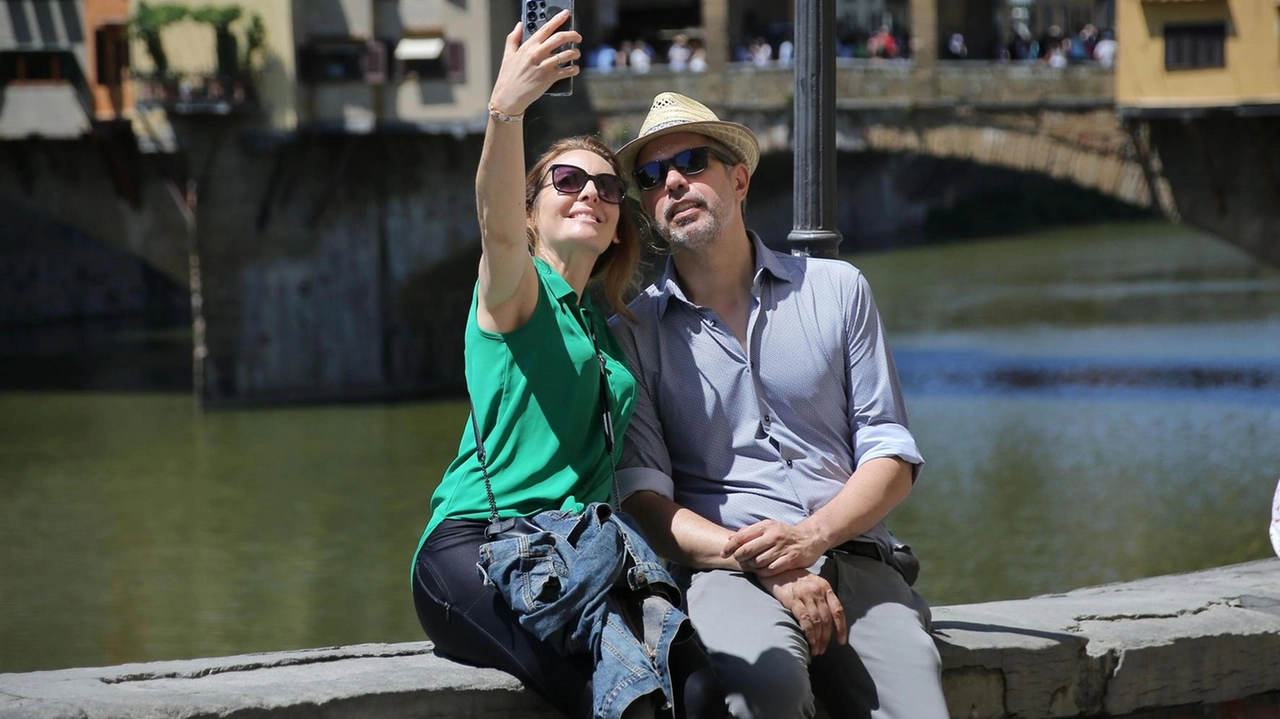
{"points": [[1203, 639]]}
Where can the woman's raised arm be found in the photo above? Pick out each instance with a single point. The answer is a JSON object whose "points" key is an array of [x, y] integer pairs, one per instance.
{"points": [[508, 285]]}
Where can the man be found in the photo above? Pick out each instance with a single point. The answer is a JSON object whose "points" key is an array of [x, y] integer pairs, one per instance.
{"points": [[769, 441]]}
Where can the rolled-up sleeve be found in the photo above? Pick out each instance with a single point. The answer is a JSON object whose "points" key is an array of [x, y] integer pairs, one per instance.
{"points": [[877, 412], [887, 440], [643, 479]]}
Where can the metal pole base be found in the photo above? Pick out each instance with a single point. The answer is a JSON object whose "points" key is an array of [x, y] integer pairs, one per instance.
{"points": [[814, 243]]}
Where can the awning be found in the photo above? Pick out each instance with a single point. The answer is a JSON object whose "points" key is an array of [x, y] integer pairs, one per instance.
{"points": [[52, 110], [429, 48], [40, 25]]}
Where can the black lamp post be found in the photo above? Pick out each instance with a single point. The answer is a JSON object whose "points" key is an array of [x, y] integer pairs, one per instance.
{"points": [[814, 193]]}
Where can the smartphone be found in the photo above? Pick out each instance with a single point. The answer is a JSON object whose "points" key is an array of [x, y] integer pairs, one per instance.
{"points": [[534, 14]]}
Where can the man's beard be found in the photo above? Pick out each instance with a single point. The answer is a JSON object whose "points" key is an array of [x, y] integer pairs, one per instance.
{"points": [[698, 234]]}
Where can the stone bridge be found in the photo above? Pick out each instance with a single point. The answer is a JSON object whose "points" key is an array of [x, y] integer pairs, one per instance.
{"points": [[1025, 117], [1058, 122], [339, 266]]}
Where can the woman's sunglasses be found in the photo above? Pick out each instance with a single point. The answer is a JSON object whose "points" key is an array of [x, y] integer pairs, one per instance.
{"points": [[687, 162], [570, 179]]}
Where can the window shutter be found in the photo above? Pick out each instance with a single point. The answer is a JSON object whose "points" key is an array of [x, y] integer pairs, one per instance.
{"points": [[455, 61], [1194, 46], [122, 49], [102, 49], [111, 51], [306, 64], [375, 62]]}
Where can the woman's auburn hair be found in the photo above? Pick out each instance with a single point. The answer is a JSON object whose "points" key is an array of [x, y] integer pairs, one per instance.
{"points": [[617, 266]]}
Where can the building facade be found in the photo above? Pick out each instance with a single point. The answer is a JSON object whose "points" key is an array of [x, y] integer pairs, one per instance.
{"points": [[425, 65], [334, 65], [1198, 84], [63, 67], [1180, 56]]}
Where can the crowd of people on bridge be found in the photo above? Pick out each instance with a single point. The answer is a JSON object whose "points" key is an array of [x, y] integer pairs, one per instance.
{"points": [[771, 45], [774, 46], [1059, 49], [1052, 47], [640, 55]]}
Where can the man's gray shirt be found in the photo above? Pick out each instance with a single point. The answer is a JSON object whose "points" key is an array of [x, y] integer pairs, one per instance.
{"points": [[773, 433]]}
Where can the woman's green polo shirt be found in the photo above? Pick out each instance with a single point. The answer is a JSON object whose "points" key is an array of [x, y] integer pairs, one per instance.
{"points": [[536, 393]]}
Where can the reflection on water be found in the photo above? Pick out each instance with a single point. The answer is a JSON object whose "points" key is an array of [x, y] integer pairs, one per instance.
{"points": [[1095, 405]]}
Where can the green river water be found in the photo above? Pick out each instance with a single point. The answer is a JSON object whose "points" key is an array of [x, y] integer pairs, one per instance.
{"points": [[1095, 404]]}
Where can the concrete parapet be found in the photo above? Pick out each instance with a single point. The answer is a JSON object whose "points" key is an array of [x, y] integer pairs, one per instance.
{"points": [[1205, 638], [862, 85], [1202, 644]]}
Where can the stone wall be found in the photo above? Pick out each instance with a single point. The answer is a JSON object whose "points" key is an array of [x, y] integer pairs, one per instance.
{"points": [[100, 187], [1224, 173], [860, 84], [1197, 645], [52, 272], [335, 267]]}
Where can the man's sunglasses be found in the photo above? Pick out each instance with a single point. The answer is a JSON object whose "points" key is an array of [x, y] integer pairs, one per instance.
{"points": [[687, 162], [570, 179]]}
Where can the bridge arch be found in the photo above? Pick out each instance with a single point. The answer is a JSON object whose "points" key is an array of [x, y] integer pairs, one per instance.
{"points": [[78, 183], [1090, 150], [1058, 122]]}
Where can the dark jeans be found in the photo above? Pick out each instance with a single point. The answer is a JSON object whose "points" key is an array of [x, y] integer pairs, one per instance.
{"points": [[471, 624]]}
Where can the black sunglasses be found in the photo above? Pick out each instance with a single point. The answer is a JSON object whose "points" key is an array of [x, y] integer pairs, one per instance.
{"points": [[687, 162], [571, 179]]}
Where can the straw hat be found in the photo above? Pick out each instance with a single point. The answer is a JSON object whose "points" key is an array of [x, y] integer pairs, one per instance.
{"points": [[672, 112]]}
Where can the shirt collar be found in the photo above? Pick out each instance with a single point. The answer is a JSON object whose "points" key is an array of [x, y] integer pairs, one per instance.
{"points": [[555, 283], [779, 266], [584, 307]]}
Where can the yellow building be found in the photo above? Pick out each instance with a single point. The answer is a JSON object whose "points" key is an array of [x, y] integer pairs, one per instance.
{"points": [[1180, 55]]}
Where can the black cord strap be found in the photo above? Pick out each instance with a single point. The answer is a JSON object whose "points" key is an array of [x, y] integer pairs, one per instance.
{"points": [[607, 416]]}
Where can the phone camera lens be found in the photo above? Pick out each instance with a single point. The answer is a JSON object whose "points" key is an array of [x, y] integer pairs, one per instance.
{"points": [[531, 26], [532, 15]]}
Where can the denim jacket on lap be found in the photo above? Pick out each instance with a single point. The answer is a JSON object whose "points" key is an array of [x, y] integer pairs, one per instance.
{"points": [[566, 584]]}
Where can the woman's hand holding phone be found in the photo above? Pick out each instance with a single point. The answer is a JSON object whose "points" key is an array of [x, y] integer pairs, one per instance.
{"points": [[529, 69]]}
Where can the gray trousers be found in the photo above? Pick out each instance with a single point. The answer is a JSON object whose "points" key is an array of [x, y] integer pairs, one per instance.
{"points": [[890, 668]]}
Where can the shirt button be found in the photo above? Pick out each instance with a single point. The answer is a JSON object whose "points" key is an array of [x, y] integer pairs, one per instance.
{"points": [[767, 420], [788, 464]]}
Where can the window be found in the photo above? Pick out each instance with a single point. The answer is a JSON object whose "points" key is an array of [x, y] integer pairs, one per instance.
{"points": [[423, 57], [455, 61], [432, 58], [35, 67], [1188, 47], [111, 47], [343, 61]]}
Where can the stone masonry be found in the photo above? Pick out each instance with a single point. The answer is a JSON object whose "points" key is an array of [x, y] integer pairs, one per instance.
{"points": [[1202, 645]]}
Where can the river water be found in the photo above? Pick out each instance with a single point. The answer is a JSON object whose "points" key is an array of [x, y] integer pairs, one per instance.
{"points": [[1095, 404]]}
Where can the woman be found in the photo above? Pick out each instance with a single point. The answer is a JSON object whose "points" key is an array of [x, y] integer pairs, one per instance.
{"points": [[534, 380]]}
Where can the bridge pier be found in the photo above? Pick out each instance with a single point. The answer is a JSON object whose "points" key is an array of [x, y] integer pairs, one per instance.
{"points": [[924, 49], [334, 267], [1219, 172], [340, 266]]}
